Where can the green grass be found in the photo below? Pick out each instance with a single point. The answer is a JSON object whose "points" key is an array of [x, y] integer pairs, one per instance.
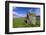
{"points": [[19, 22]]}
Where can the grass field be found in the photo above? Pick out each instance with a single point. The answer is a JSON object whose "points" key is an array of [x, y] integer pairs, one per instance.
{"points": [[19, 22]]}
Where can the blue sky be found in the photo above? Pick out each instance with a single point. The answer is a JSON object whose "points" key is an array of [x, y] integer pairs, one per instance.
{"points": [[22, 11]]}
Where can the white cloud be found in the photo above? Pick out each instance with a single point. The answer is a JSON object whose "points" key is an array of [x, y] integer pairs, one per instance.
{"points": [[18, 15]]}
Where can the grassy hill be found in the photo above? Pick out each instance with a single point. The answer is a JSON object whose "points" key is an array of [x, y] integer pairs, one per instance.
{"points": [[20, 22]]}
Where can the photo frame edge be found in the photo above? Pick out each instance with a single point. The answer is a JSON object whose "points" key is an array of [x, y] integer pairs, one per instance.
{"points": [[7, 17]]}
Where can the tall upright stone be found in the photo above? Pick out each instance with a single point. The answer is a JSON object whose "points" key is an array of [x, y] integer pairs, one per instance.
{"points": [[31, 17]]}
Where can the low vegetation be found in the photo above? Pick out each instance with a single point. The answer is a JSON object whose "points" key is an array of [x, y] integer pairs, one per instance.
{"points": [[20, 22]]}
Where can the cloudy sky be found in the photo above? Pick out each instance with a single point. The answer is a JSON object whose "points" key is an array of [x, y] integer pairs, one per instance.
{"points": [[22, 11]]}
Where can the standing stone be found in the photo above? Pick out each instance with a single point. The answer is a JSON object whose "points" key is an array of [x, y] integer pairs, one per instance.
{"points": [[31, 18]]}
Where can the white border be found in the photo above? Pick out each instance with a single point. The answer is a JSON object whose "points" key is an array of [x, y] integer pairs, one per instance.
{"points": [[11, 29]]}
